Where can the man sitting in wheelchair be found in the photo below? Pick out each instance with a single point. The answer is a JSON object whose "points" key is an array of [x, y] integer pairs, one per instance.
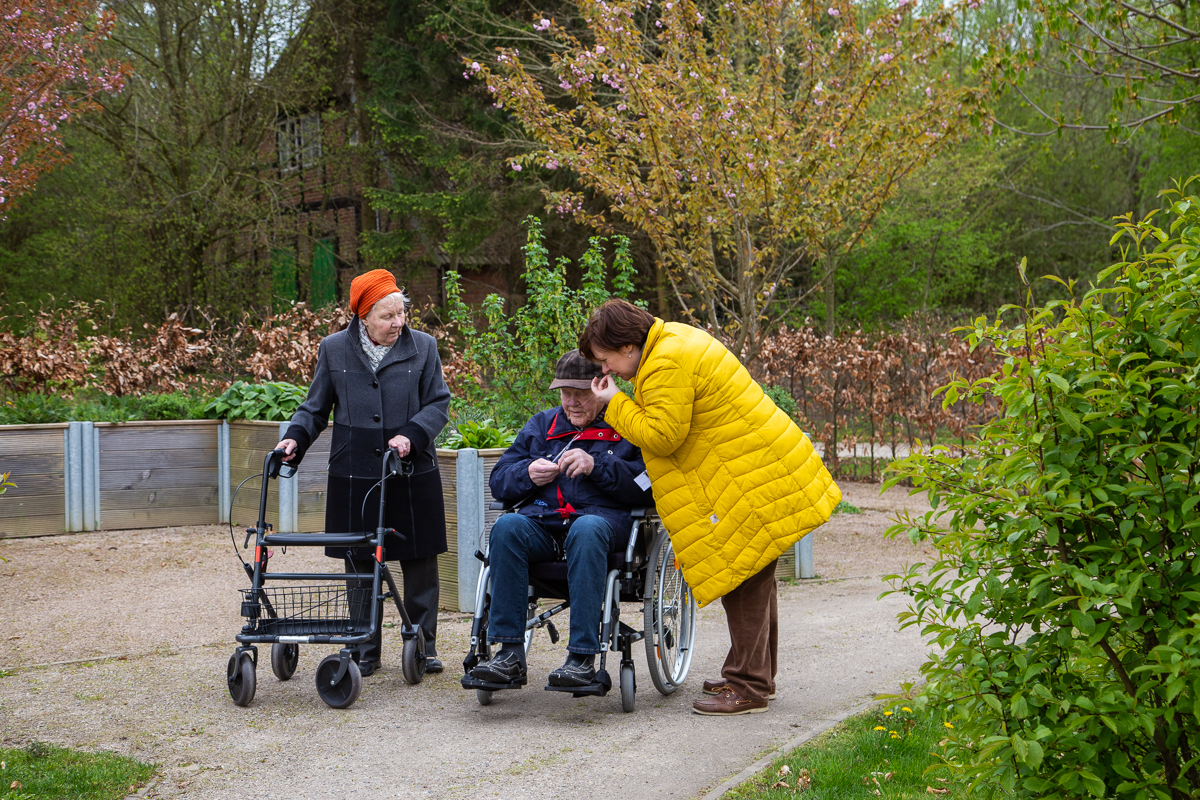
{"points": [[573, 481]]}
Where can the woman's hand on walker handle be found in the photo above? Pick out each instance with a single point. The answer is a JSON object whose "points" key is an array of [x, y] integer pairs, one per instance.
{"points": [[288, 446], [605, 388], [401, 445]]}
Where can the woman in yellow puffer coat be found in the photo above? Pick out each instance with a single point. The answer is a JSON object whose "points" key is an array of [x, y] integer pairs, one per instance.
{"points": [[736, 483]]}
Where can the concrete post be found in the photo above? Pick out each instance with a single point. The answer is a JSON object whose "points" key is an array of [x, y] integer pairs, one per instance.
{"points": [[89, 459], [223, 488], [804, 558], [289, 498], [73, 475], [469, 489]]}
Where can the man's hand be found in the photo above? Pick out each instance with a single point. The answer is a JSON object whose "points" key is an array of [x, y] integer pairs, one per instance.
{"points": [[401, 445], [605, 388], [542, 471], [574, 463]]}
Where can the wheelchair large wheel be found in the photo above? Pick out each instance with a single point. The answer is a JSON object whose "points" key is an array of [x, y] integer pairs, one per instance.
{"points": [[670, 617]]}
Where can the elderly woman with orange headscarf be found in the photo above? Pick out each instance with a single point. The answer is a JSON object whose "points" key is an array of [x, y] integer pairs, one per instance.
{"points": [[383, 383]]}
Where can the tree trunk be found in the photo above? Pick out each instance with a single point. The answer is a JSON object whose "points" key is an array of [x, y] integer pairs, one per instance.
{"points": [[830, 279]]}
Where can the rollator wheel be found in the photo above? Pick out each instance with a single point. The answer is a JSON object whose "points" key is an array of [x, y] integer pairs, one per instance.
{"points": [[669, 615], [284, 658], [628, 688], [412, 660], [240, 676], [343, 693], [484, 696]]}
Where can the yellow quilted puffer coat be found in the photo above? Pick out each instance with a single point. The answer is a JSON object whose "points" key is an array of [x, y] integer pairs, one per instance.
{"points": [[735, 481]]}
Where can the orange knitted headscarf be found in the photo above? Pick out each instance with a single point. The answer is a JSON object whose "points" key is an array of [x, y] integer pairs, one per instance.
{"points": [[369, 288]]}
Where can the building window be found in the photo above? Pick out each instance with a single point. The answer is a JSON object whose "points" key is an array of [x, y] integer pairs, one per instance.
{"points": [[298, 142]]}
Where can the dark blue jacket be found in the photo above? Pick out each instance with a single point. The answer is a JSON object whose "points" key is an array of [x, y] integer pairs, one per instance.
{"points": [[609, 492]]}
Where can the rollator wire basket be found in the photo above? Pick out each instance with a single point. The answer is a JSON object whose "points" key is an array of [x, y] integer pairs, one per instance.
{"points": [[293, 610]]}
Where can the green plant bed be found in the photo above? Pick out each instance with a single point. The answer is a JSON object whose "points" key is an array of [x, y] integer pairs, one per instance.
{"points": [[32, 408], [882, 753], [45, 771]]}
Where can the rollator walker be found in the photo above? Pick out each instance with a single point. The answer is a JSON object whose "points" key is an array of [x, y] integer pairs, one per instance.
{"points": [[339, 608]]}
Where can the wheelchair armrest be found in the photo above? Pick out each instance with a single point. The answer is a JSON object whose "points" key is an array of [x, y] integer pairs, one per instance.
{"points": [[497, 505], [642, 513]]}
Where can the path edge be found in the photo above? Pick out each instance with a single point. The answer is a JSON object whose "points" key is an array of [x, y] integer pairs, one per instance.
{"points": [[758, 766]]}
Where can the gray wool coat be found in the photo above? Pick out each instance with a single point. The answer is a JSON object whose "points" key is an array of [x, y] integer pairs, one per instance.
{"points": [[405, 395]]}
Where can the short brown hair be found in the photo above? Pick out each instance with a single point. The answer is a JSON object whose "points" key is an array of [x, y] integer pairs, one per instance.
{"points": [[613, 325]]}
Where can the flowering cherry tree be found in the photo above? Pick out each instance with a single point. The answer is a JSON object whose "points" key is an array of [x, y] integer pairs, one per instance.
{"points": [[46, 77], [753, 141]]}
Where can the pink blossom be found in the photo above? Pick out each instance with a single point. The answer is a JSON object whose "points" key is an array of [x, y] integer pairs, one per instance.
{"points": [[542, 24], [833, 12], [885, 58], [516, 167]]}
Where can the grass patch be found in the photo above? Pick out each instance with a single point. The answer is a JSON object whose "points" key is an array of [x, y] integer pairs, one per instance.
{"points": [[42, 771], [875, 754], [845, 508]]}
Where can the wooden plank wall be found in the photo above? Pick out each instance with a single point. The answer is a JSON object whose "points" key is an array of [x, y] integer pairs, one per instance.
{"points": [[158, 474], [249, 443], [448, 561], [314, 478], [34, 456]]}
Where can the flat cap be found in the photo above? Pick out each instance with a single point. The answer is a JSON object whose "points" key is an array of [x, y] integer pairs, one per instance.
{"points": [[573, 371]]}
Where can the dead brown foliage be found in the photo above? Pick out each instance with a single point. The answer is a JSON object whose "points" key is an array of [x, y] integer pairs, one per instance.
{"points": [[856, 390], [63, 350]]}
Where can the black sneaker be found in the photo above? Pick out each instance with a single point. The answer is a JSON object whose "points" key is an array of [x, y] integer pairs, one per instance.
{"points": [[433, 665], [368, 668], [574, 673], [504, 667]]}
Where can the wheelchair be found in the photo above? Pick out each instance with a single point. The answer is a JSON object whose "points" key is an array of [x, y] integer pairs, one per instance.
{"points": [[644, 572]]}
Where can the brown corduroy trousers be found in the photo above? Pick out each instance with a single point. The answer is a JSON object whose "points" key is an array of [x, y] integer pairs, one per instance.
{"points": [[752, 612]]}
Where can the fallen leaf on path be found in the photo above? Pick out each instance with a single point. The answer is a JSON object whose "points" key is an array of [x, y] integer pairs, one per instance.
{"points": [[931, 790], [785, 770], [15, 785], [780, 785]]}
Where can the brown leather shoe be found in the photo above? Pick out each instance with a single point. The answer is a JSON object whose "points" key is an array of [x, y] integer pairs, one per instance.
{"points": [[715, 687], [728, 703]]}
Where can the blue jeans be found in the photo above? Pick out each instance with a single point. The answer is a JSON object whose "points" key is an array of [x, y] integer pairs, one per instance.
{"points": [[518, 541]]}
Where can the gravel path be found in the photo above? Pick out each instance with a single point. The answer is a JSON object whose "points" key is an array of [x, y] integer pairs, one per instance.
{"points": [[164, 603]]}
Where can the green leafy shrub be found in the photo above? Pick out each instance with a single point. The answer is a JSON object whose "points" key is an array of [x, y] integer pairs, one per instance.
{"points": [[480, 435], [783, 399], [516, 353], [275, 401], [1065, 599]]}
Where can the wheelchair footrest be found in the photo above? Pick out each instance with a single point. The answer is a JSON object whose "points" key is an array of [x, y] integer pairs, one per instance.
{"points": [[594, 689], [469, 682]]}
